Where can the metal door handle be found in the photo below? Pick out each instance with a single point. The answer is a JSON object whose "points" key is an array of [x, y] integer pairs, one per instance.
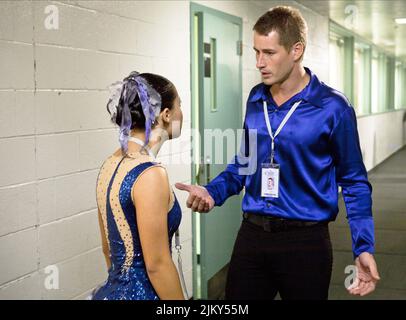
{"points": [[208, 163], [199, 172]]}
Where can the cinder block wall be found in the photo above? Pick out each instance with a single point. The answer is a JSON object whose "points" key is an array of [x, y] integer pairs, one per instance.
{"points": [[55, 131]]}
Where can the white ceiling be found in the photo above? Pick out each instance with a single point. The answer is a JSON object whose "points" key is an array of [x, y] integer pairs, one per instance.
{"points": [[372, 19]]}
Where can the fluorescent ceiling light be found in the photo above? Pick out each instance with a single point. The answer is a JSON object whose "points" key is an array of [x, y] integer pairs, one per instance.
{"points": [[401, 21], [388, 43]]}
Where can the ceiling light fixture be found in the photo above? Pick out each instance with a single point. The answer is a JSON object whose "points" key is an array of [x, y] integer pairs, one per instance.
{"points": [[400, 21]]}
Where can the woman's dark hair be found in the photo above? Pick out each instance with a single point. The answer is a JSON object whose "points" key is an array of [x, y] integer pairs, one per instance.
{"points": [[162, 85]]}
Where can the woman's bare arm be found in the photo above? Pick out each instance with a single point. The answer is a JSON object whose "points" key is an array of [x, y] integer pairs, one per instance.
{"points": [[151, 195]]}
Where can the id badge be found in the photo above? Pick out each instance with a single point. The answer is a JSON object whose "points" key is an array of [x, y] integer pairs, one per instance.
{"points": [[270, 180]]}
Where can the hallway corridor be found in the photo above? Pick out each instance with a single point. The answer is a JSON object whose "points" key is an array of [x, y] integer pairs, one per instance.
{"points": [[389, 209], [62, 73]]}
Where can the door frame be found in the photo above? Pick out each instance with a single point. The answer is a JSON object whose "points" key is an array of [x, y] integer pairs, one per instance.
{"points": [[196, 30]]}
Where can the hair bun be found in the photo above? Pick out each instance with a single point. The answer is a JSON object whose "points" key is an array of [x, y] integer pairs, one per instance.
{"points": [[132, 75], [163, 86]]}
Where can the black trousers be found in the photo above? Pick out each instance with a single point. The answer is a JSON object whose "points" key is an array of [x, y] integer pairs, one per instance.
{"points": [[297, 263]]}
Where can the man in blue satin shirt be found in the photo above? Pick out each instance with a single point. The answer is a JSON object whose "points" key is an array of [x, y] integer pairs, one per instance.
{"points": [[283, 244]]}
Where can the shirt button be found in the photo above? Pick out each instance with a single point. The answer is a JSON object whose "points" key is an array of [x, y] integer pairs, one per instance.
{"points": [[268, 204]]}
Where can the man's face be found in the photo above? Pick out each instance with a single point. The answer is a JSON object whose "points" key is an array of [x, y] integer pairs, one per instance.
{"points": [[270, 183], [273, 61]]}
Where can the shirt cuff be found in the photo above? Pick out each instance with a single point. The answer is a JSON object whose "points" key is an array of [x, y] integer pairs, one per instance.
{"points": [[362, 234]]}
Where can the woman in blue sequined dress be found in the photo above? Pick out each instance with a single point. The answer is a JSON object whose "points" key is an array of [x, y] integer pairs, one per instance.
{"points": [[138, 210]]}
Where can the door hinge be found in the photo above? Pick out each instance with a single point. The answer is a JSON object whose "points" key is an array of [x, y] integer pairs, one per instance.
{"points": [[239, 47]]}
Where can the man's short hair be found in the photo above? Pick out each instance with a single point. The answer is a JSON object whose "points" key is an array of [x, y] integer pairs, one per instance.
{"points": [[288, 22]]}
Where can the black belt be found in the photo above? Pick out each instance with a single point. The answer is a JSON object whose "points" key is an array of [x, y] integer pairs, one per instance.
{"points": [[275, 224]]}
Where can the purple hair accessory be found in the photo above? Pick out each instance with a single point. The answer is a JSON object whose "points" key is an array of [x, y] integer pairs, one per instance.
{"points": [[127, 90], [115, 93], [151, 104], [126, 121]]}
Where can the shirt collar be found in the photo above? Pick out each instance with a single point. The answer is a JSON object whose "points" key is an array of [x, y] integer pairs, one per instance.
{"points": [[312, 93]]}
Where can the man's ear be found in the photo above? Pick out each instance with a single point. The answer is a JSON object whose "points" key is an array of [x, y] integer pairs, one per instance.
{"points": [[297, 50]]}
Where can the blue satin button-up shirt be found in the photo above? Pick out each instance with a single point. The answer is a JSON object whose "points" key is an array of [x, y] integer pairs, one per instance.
{"points": [[317, 150]]}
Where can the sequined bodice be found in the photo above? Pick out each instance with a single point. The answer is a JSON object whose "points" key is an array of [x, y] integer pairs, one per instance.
{"points": [[127, 276]]}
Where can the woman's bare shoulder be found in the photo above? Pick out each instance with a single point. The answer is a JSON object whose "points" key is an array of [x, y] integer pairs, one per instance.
{"points": [[153, 176], [154, 179]]}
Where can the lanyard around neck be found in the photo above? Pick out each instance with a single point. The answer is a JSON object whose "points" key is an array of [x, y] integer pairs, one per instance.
{"points": [[141, 143], [268, 124]]}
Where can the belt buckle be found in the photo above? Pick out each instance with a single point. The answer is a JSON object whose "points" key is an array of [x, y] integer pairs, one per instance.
{"points": [[278, 225], [273, 225], [266, 223]]}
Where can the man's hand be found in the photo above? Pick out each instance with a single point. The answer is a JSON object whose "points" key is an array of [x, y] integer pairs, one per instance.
{"points": [[199, 199], [367, 275]]}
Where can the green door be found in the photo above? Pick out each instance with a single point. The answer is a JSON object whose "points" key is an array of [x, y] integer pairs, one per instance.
{"points": [[217, 101]]}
